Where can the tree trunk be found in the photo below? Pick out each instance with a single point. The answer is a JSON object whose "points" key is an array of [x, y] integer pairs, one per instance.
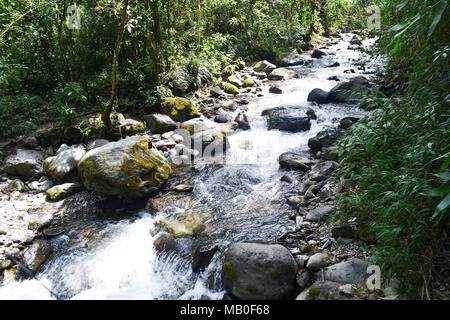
{"points": [[107, 110]]}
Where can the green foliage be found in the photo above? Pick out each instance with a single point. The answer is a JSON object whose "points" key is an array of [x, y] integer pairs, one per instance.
{"points": [[397, 159]]}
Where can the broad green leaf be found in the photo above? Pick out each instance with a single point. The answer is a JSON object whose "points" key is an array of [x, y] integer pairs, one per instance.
{"points": [[437, 16]]}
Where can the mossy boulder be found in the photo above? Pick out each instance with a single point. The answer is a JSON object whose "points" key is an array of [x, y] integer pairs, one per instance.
{"points": [[234, 81], [230, 88], [253, 271], [248, 83], [179, 109], [182, 225], [227, 71], [131, 127], [131, 167]]}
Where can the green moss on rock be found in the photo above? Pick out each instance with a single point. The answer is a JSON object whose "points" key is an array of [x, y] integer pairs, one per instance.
{"points": [[180, 109]]}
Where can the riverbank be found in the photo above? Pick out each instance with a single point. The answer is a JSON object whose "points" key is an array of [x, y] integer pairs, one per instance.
{"points": [[300, 212]]}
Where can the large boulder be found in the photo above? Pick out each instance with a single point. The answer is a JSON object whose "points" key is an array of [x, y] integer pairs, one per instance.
{"points": [[65, 163], [129, 167], [264, 66], [24, 163], [179, 109], [230, 88], [36, 255], [294, 161], [253, 271], [160, 123], [289, 118], [319, 96], [353, 271], [351, 91]]}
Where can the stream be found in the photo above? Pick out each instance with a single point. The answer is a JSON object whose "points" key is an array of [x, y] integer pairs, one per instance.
{"points": [[244, 198]]}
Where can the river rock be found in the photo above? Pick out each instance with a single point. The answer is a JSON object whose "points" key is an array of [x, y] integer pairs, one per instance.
{"points": [[264, 66], [216, 92], [62, 191], [230, 88], [183, 188], [350, 91], [318, 213], [65, 163], [317, 262], [317, 54], [170, 201], [129, 167], [131, 127], [202, 258], [288, 118], [234, 81], [353, 271], [253, 271], [179, 109], [24, 163], [275, 89], [35, 256], [185, 224], [227, 71], [324, 139], [160, 123], [293, 59], [242, 121], [281, 74], [319, 96], [323, 290], [295, 161], [165, 242]]}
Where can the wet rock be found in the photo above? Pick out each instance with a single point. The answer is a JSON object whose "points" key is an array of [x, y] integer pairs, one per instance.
{"points": [[129, 167], [6, 264], [259, 75], [254, 271], [65, 163], [179, 109], [275, 89], [182, 225], [290, 160], [350, 91], [319, 96], [242, 121], [333, 78], [288, 118], [324, 139], [293, 59], [333, 65], [317, 262], [35, 256], [330, 153], [317, 54], [287, 178], [347, 122], [170, 201], [183, 188], [160, 123], [165, 242], [248, 83], [318, 213], [30, 142], [280, 74], [202, 258], [222, 117], [353, 271], [24, 163], [63, 191], [264, 66]]}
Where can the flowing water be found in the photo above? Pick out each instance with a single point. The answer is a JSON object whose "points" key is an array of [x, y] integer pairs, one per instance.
{"points": [[243, 197]]}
